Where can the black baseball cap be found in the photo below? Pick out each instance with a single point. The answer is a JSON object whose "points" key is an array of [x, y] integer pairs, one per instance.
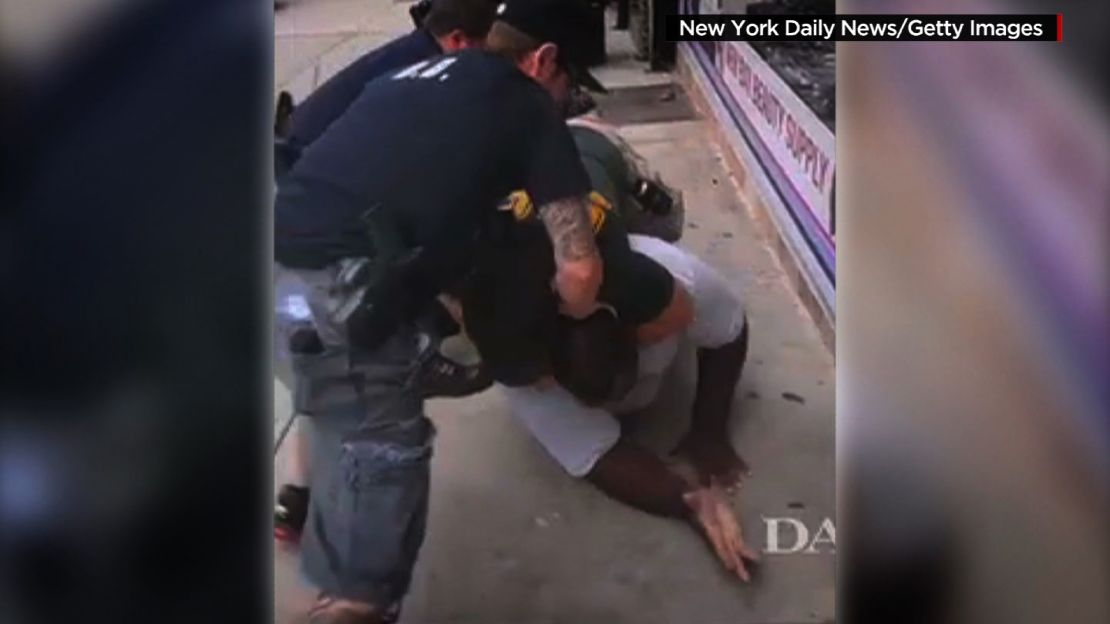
{"points": [[566, 23]]}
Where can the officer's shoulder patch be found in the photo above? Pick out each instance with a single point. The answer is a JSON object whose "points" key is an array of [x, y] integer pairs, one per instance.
{"points": [[522, 208], [599, 209], [519, 204]]}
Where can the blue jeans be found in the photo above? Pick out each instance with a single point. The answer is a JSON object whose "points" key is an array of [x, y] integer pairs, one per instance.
{"points": [[371, 449]]}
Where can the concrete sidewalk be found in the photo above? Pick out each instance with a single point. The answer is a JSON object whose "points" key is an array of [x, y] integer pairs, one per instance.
{"points": [[513, 539]]}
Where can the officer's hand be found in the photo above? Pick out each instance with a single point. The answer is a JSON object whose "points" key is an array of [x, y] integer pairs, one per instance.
{"points": [[577, 284]]}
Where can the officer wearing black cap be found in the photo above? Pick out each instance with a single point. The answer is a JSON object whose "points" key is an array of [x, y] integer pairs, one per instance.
{"points": [[562, 23], [379, 215]]}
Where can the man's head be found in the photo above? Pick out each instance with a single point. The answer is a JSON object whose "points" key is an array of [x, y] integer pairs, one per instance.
{"points": [[595, 359], [458, 24], [546, 40]]}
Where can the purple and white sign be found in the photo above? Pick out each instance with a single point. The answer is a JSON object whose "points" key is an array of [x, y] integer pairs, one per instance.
{"points": [[790, 149], [801, 145]]}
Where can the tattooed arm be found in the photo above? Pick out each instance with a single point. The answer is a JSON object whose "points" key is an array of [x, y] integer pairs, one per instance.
{"points": [[578, 267]]}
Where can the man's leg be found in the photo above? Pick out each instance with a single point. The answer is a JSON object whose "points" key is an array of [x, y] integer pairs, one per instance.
{"points": [[291, 509], [436, 375], [370, 472], [370, 453]]}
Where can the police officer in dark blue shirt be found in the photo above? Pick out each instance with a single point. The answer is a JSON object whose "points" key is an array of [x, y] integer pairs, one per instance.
{"points": [[447, 26], [380, 214], [441, 26]]}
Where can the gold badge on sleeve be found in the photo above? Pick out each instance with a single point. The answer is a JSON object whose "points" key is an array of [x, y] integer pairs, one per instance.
{"points": [[599, 207], [522, 208]]}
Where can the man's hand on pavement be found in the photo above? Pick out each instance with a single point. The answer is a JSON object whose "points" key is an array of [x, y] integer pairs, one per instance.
{"points": [[714, 519]]}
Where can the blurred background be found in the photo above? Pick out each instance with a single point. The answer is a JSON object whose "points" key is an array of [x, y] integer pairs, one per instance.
{"points": [[134, 337], [972, 330], [972, 344]]}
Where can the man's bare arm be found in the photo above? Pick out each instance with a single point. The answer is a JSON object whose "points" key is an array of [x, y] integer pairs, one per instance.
{"points": [[676, 317], [578, 269], [636, 477]]}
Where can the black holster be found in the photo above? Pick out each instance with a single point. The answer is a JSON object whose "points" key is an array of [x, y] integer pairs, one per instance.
{"points": [[391, 292]]}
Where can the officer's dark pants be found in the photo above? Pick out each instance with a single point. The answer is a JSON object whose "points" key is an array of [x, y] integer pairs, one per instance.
{"points": [[370, 450]]}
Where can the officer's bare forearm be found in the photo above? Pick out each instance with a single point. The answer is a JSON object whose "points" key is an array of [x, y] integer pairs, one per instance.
{"points": [[578, 264], [635, 477], [568, 223]]}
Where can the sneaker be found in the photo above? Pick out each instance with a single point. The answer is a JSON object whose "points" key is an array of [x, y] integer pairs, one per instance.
{"points": [[442, 377], [290, 513]]}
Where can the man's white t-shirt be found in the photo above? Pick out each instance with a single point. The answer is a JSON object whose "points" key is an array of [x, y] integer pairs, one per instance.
{"points": [[577, 435]]}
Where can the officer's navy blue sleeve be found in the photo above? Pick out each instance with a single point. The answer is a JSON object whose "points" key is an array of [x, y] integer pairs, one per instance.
{"points": [[553, 169]]}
